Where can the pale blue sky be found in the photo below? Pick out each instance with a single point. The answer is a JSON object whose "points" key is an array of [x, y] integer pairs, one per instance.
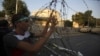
{"points": [[77, 5]]}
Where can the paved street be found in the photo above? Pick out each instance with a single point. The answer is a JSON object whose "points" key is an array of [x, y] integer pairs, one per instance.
{"points": [[87, 44]]}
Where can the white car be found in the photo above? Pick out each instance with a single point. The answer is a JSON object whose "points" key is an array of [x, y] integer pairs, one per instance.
{"points": [[85, 29], [96, 30]]}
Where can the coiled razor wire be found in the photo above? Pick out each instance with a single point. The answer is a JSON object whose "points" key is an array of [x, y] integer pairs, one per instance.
{"points": [[60, 32]]}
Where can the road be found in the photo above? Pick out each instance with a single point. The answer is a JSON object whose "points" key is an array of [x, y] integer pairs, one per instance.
{"points": [[88, 44]]}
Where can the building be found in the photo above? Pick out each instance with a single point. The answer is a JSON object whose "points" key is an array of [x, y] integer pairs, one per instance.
{"points": [[44, 14], [75, 24]]}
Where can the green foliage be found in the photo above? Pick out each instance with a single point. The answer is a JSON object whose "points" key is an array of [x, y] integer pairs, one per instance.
{"points": [[84, 18], [22, 8], [2, 14], [67, 23], [78, 18], [10, 7]]}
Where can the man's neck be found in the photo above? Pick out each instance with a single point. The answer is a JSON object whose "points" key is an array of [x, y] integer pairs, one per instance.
{"points": [[19, 31]]}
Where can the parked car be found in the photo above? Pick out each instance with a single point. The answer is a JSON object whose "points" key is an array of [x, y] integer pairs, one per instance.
{"points": [[85, 29], [96, 30]]}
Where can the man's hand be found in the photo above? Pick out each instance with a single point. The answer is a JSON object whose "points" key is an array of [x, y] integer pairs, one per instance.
{"points": [[53, 21]]}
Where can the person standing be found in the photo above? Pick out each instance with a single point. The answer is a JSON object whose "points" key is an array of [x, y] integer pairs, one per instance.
{"points": [[18, 42], [4, 29]]}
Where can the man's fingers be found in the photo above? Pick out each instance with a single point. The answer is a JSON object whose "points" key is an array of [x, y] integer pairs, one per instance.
{"points": [[54, 21]]}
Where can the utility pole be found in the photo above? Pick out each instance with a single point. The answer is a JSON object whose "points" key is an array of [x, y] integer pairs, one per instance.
{"points": [[16, 6], [96, 23], [88, 21]]}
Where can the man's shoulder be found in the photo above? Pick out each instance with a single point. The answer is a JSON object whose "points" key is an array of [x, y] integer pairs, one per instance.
{"points": [[11, 34], [9, 37]]}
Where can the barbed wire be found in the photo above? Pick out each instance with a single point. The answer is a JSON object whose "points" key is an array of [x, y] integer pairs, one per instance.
{"points": [[53, 7], [85, 4]]}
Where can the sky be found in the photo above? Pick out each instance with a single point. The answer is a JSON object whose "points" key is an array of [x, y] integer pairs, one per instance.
{"points": [[75, 5]]}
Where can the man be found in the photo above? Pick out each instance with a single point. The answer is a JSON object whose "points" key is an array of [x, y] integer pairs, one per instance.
{"points": [[4, 29], [18, 42]]}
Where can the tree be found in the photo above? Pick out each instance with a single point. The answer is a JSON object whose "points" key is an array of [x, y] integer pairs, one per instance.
{"points": [[67, 23], [2, 14], [22, 8], [84, 19], [78, 17], [10, 7], [87, 17], [92, 21]]}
